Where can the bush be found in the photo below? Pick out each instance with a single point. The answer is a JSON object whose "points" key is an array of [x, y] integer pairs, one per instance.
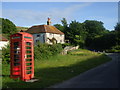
{"points": [[117, 47], [114, 49], [55, 49], [65, 44], [42, 50], [6, 54]]}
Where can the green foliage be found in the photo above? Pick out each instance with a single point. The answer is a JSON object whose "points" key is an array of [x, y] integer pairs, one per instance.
{"points": [[104, 42], [21, 28], [117, 32], [44, 51], [60, 27], [94, 27], [8, 26], [65, 44], [6, 54], [114, 49], [117, 47], [117, 27], [64, 22]]}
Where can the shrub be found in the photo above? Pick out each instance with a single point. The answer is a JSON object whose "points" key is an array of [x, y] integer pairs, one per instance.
{"points": [[42, 50], [114, 49], [55, 49], [6, 54], [65, 44]]}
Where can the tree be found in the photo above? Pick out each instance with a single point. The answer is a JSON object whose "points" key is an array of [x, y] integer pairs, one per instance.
{"points": [[64, 22], [117, 27], [117, 31], [8, 27], [65, 28], [60, 27], [94, 29], [77, 33]]}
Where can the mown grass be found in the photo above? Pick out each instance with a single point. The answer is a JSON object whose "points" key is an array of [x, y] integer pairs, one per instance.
{"points": [[57, 69]]}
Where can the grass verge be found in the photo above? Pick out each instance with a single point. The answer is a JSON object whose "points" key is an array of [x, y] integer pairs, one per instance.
{"points": [[57, 69]]}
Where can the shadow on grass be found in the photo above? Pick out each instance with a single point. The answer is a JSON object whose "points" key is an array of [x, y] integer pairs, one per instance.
{"points": [[51, 76]]}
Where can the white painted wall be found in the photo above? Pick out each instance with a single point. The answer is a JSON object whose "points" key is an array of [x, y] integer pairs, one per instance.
{"points": [[3, 44], [43, 38], [58, 37]]}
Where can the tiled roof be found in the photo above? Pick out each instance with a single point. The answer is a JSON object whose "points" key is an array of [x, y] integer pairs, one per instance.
{"points": [[3, 38], [44, 29]]}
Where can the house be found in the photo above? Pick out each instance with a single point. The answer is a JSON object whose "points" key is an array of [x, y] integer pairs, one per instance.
{"points": [[46, 34], [3, 41]]}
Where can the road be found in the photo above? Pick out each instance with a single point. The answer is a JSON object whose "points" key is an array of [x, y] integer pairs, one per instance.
{"points": [[103, 76]]}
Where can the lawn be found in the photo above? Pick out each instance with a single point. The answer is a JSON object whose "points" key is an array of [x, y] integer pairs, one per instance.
{"points": [[57, 69]]}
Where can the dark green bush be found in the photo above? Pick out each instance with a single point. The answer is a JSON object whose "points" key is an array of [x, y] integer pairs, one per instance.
{"points": [[6, 54], [42, 50], [65, 44], [55, 49], [114, 49]]}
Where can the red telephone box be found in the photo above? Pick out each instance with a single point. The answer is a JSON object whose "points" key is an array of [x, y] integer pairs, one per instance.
{"points": [[21, 56]]}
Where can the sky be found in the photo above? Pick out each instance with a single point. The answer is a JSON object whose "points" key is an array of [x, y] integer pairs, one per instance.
{"points": [[27, 14]]}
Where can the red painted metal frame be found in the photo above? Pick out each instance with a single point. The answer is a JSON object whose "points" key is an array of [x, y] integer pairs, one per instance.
{"points": [[20, 70]]}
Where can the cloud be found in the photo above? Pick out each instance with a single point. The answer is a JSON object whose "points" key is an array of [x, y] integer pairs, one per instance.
{"points": [[30, 17]]}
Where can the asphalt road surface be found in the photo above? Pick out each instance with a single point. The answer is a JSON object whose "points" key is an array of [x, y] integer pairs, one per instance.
{"points": [[103, 76]]}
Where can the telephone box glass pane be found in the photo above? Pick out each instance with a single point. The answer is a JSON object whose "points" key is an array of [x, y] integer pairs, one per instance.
{"points": [[28, 51], [16, 64], [28, 64], [28, 68], [29, 72], [16, 60], [28, 47], [16, 43], [16, 52], [16, 56], [28, 59], [28, 43], [29, 56]]}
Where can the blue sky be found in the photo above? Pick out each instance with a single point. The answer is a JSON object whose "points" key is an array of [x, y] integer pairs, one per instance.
{"points": [[36, 13]]}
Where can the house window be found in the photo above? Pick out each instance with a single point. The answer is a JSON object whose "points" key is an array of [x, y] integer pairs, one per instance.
{"points": [[38, 35], [60, 40], [50, 33], [37, 40]]}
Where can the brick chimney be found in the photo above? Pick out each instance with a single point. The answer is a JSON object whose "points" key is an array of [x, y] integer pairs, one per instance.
{"points": [[48, 22]]}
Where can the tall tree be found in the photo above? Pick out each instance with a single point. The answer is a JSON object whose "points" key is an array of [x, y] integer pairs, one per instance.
{"points": [[65, 28], [64, 22], [117, 31], [117, 27], [60, 27], [77, 33], [94, 29]]}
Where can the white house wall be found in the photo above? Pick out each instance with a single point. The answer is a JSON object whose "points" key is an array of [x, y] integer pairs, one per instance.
{"points": [[3, 44], [58, 37], [43, 38]]}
